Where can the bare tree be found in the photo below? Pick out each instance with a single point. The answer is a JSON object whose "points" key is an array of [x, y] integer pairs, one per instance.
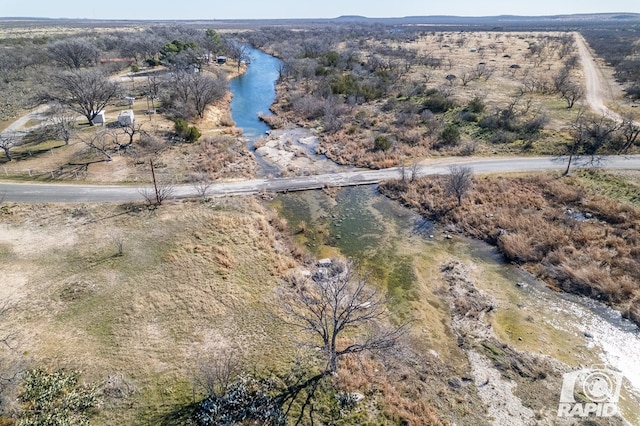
{"points": [[63, 122], [157, 194], [237, 51], [207, 90], [161, 190], [466, 77], [337, 301], [571, 93], [8, 140], [118, 241], [86, 92], [201, 184], [154, 85], [215, 375], [194, 92], [142, 46], [131, 130], [459, 181], [105, 143], [589, 136], [630, 131], [483, 71], [415, 169], [74, 53]]}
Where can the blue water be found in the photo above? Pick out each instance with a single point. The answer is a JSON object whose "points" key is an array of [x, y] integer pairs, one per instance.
{"points": [[253, 93]]}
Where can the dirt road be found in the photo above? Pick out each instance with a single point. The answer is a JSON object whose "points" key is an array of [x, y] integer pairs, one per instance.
{"points": [[597, 87], [19, 125]]}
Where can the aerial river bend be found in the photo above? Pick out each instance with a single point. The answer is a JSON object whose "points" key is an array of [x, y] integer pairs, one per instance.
{"points": [[403, 252], [394, 243]]}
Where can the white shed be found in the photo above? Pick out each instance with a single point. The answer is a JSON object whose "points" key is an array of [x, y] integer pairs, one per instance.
{"points": [[99, 118], [126, 118]]}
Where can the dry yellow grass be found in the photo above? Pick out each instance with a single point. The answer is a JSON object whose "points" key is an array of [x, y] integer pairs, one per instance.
{"points": [[194, 279], [575, 239]]}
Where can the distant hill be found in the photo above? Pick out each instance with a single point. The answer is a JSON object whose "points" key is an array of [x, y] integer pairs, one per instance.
{"points": [[510, 21], [457, 20]]}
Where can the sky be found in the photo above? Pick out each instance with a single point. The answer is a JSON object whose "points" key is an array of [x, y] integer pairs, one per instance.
{"points": [[273, 9]]}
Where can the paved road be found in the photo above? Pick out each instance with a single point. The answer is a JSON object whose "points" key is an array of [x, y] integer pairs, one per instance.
{"points": [[71, 193]]}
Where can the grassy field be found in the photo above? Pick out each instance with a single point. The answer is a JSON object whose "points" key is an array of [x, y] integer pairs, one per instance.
{"points": [[140, 299], [193, 280]]}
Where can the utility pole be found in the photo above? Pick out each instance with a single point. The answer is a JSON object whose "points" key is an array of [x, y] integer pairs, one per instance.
{"points": [[155, 184]]}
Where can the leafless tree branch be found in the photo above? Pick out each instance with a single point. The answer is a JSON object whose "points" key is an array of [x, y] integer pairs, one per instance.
{"points": [[337, 299]]}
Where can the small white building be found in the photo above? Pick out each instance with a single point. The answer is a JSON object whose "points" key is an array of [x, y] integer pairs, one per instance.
{"points": [[126, 118], [99, 118]]}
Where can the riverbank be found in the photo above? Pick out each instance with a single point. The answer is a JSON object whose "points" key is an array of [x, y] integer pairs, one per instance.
{"points": [[294, 151], [573, 237]]}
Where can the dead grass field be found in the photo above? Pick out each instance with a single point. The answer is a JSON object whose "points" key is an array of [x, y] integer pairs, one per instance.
{"points": [[575, 233], [193, 280]]}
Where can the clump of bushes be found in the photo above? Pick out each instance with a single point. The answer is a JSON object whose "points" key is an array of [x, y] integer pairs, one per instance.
{"points": [[472, 110], [527, 219], [186, 132], [450, 135], [437, 102], [382, 143], [244, 401], [55, 399]]}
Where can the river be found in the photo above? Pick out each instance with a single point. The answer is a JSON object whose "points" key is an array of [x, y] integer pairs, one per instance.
{"points": [[253, 93], [402, 251]]}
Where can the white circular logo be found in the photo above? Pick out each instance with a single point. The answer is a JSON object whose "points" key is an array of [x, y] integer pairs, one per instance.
{"points": [[598, 386]]}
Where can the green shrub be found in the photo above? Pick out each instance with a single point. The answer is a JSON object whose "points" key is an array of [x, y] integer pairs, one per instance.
{"points": [[450, 135], [468, 116], [476, 105], [382, 143], [181, 127], [436, 102], [183, 130], [193, 134]]}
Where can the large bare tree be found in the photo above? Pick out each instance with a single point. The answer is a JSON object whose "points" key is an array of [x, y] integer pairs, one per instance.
{"points": [[86, 92], [74, 53], [194, 92], [590, 136], [566, 87], [237, 51], [337, 301]]}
